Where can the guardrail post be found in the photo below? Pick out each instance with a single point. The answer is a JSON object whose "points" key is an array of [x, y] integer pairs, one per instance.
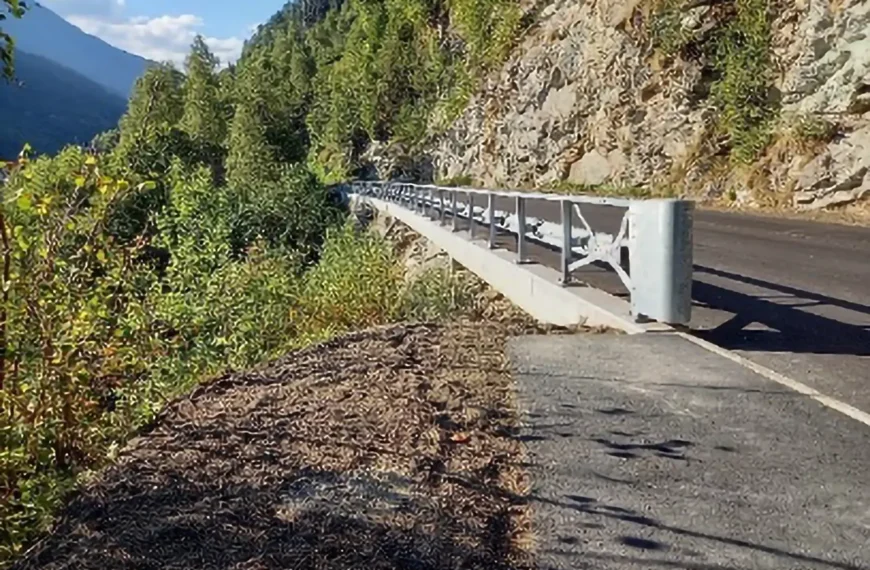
{"points": [[453, 209], [440, 207], [470, 216], [490, 205], [660, 257], [567, 226], [521, 230]]}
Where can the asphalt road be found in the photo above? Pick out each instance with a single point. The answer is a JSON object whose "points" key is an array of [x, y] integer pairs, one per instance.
{"points": [[648, 451], [788, 294]]}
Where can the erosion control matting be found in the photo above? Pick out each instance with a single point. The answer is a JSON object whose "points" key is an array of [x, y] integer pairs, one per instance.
{"points": [[389, 448]]}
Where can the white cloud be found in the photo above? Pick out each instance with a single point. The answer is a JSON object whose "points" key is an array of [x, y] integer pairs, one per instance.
{"points": [[164, 38]]}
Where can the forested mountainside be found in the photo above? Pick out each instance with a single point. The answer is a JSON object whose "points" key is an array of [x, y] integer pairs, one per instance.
{"points": [[49, 106], [754, 102], [203, 238], [328, 83]]}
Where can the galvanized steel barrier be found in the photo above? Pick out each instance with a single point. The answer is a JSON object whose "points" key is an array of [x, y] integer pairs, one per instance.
{"points": [[657, 233]]}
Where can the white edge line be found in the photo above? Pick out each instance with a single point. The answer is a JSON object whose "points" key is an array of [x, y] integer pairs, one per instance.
{"points": [[798, 387]]}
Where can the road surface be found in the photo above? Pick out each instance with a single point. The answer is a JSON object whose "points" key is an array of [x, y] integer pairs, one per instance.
{"points": [[648, 451], [791, 295]]}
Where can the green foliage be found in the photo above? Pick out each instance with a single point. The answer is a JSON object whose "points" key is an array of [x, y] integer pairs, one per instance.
{"points": [[460, 180], [74, 321], [354, 285], [743, 94], [204, 116], [290, 214], [105, 141], [565, 187], [738, 51], [667, 31], [812, 128], [488, 28], [250, 157], [14, 8], [149, 137], [97, 332], [372, 70], [435, 295]]}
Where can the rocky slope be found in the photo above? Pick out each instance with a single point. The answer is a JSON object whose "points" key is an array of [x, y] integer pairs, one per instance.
{"points": [[589, 98]]}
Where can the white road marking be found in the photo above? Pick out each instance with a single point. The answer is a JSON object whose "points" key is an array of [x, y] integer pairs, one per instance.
{"points": [[798, 387]]}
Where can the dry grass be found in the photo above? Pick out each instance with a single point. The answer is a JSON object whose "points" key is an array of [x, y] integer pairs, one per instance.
{"points": [[388, 448]]}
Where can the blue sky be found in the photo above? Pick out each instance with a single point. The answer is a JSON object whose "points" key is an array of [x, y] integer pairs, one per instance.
{"points": [[162, 29]]}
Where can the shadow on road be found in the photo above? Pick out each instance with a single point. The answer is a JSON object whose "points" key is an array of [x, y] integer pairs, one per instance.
{"points": [[790, 328], [600, 513]]}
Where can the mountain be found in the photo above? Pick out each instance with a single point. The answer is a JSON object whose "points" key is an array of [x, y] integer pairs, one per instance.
{"points": [[42, 32], [51, 106]]}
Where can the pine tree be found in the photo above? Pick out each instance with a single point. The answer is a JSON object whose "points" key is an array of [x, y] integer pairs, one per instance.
{"points": [[250, 157], [147, 140], [289, 94], [204, 116]]}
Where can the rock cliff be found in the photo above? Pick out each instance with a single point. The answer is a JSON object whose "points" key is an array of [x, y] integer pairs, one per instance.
{"points": [[639, 93]]}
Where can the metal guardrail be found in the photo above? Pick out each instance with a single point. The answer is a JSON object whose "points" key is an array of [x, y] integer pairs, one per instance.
{"points": [[657, 233]]}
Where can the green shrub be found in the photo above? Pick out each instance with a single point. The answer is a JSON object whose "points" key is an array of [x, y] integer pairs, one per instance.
{"points": [[812, 128], [436, 294], [666, 28], [743, 93], [457, 181], [76, 321], [94, 339], [356, 283]]}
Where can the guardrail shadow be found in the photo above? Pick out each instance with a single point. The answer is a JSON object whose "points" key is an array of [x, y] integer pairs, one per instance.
{"points": [[791, 329]]}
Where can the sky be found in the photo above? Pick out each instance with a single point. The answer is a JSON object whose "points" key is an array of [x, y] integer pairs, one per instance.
{"points": [[162, 30]]}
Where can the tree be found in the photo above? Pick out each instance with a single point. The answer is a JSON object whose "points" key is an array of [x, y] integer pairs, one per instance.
{"points": [[149, 137], [105, 142], [14, 8], [289, 94], [204, 116], [250, 158]]}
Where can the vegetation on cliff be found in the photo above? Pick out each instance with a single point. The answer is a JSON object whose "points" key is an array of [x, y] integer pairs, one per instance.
{"points": [[201, 237], [327, 82], [737, 52]]}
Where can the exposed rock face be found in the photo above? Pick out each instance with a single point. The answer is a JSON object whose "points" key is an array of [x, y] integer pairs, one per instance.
{"points": [[585, 99]]}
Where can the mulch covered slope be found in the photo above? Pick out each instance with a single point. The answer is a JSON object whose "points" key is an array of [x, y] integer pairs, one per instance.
{"points": [[389, 448]]}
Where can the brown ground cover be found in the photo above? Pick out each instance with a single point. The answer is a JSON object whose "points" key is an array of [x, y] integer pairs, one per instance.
{"points": [[388, 448]]}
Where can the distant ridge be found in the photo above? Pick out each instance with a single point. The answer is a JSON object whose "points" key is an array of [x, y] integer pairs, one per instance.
{"points": [[43, 33], [50, 106]]}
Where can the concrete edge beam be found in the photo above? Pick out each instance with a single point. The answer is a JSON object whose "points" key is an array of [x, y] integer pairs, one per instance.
{"points": [[534, 288]]}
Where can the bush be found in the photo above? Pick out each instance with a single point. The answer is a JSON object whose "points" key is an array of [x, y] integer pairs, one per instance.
{"points": [[291, 213], [737, 51], [96, 338], [356, 284], [743, 94], [435, 295], [75, 322]]}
